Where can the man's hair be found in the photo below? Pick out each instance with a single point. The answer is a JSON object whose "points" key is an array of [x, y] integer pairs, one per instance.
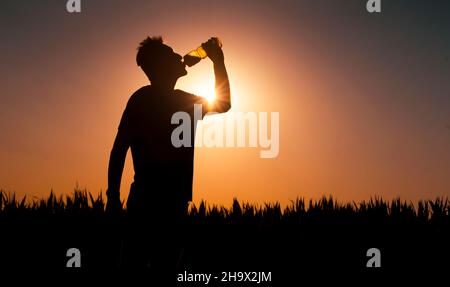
{"points": [[149, 48]]}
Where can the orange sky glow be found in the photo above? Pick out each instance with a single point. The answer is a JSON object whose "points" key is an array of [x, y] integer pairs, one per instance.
{"points": [[358, 117]]}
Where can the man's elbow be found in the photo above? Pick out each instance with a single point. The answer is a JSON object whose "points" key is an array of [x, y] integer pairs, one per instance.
{"points": [[223, 107], [226, 107]]}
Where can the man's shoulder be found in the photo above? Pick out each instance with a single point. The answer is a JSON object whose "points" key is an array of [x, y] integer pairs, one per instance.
{"points": [[186, 97], [141, 92], [138, 94], [181, 93]]}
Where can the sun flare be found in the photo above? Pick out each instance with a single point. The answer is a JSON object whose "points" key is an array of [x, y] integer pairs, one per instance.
{"points": [[206, 91]]}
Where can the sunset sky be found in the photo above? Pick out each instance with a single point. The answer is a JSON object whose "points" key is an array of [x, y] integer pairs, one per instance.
{"points": [[363, 99]]}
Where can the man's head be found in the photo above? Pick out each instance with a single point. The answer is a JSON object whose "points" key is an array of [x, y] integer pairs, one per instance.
{"points": [[159, 62]]}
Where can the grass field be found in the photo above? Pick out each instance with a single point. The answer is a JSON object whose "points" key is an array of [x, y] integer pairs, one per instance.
{"points": [[305, 235], [326, 209]]}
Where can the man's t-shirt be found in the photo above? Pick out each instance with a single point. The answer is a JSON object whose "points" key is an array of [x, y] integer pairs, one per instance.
{"points": [[162, 171]]}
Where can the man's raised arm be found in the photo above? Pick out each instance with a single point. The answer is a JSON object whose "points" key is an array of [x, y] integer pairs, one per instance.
{"points": [[222, 103]]}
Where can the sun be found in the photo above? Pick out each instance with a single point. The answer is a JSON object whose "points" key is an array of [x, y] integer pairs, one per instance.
{"points": [[206, 91], [200, 82]]}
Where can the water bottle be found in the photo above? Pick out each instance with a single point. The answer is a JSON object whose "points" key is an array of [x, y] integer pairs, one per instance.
{"points": [[194, 56]]}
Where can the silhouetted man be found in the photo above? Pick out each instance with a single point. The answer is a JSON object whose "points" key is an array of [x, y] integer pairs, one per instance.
{"points": [[162, 184]]}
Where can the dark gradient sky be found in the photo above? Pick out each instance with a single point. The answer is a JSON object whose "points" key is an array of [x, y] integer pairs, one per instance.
{"points": [[364, 99]]}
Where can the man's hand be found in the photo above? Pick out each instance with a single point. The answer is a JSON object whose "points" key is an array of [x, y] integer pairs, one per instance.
{"points": [[113, 205], [213, 50]]}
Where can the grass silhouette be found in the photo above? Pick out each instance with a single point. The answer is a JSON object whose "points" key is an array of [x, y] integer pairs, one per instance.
{"points": [[83, 202], [323, 233]]}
